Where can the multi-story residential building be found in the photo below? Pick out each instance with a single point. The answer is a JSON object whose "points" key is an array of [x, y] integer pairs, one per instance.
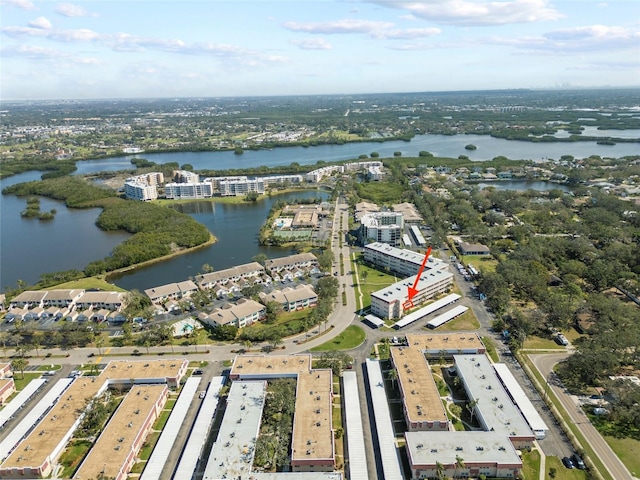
{"points": [[112, 301], [290, 299], [243, 313], [385, 227], [237, 188], [398, 260], [251, 272], [171, 291], [188, 190], [185, 176], [390, 302], [299, 261], [134, 190]]}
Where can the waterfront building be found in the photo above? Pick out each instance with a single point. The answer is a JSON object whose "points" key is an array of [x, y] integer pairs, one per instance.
{"points": [[241, 314], [299, 261], [251, 272], [143, 187], [171, 291], [191, 190], [185, 176]]}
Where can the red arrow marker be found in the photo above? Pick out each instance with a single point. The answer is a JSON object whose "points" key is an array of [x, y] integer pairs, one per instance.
{"points": [[412, 291]]}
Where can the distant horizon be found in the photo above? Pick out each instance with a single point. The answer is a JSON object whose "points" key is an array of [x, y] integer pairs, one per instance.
{"points": [[99, 49], [490, 90]]}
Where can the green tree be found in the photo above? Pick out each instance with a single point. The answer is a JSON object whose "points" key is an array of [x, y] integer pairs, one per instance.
{"points": [[20, 364]]}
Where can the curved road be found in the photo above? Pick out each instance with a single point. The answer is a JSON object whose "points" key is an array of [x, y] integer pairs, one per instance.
{"points": [[545, 363]]}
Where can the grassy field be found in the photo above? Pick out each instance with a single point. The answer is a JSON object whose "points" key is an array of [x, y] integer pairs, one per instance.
{"points": [[370, 281], [348, 339], [482, 264], [628, 450], [28, 376], [562, 473], [90, 283], [531, 465], [538, 343], [466, 321]]}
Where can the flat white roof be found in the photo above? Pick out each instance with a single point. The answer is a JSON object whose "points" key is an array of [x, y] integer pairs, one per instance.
{"points": [[398, 291], [418, 235], [355, 436], [388, 452], [33, 417], [198, 436], [374, 320], [424, 311], [232, 453], [155, 464], [427, 448], [521, 399], [446, 316], [20, 399], [494, 408]]}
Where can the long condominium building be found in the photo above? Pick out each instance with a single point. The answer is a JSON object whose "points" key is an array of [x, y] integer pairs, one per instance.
{"points": [[392, 301], [399, 260], [188, 190]]}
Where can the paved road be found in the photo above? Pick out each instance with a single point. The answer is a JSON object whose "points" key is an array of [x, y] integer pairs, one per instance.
{"points": [[544, 364]]}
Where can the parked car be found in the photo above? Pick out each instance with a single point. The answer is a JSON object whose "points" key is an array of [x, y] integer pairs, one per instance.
{"points": [[577, 461], [202, 394], [567, 462]]}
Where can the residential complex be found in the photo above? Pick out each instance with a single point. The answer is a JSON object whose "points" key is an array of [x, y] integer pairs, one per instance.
{"points": [[243, 313], [385, 227], [291, 299], [400, 261], [392, 301], [143, 187]]}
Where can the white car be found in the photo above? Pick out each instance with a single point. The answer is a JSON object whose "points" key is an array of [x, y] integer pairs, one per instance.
{"points": [[202, 394]]}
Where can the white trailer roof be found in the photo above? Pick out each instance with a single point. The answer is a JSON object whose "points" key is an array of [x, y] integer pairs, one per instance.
{"points": [[193, 449], [423, 312], [355, 436], [156, 463], [520, 398], [33, 417], [20, 399], [378, 322], [446, 316], [384, 429]]}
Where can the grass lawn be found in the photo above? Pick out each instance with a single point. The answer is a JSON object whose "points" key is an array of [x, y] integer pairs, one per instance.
{"points": [[562, 472], [28, 376], [466, 321], [90, 283], [628, 450], [538, 343], [349, 338], [72, 457], [149, 444], [482, 264], [491, 348], [162, 420], [531, 465], [369, 280]]}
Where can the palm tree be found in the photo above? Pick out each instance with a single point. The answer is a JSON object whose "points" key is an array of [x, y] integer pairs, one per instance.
{"points": [[36, 341], [99, 341], [439, 470], [393, 376], [459, 465], [471, 407], [20, 364]]}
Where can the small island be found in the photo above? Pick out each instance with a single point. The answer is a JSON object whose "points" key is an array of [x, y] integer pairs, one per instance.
{"points": [[33, 210], [471, 146]]}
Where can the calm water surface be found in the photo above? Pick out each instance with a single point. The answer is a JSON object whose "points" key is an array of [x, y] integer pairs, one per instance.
{"points": [[29, 248]]}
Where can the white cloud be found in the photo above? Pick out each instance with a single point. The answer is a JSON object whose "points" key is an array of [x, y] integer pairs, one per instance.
{"points": [[345, 26], [30, 51], [579, 39], [408, 33], [465, 12], [71, 10], [312, 44], [23, 4], [40, 22]]}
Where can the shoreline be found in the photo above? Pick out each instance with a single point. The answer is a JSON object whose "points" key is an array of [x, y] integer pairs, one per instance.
{"points": [[109, 276]]}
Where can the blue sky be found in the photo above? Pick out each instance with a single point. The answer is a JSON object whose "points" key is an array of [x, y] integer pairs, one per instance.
{"points": [[161, 48]]}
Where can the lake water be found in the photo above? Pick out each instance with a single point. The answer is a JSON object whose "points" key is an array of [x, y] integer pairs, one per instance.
{"points": [[440, 145], [29, 248], [522, 186], [236, 229]]}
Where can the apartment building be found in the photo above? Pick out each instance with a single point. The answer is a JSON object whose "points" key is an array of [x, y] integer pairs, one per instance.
{"points": [[384, 227]]}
